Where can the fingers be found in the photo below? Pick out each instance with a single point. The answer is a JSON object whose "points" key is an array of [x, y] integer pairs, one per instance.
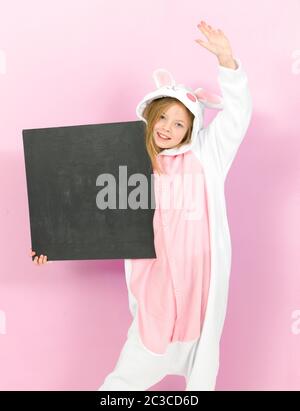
{"points": [[39, 260], [207, 26], [204, 28], [203, 43], [43, 259], [207, 29]]}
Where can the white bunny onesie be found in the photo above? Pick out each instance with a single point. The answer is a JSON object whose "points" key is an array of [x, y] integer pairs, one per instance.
{"points": [[165, 337]]}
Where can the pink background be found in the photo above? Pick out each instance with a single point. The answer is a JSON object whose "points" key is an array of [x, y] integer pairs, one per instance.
{"points": [[64, 63]]}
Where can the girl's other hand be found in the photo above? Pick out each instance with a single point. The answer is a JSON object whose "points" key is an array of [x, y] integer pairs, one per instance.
{"points": [[39, 260]]}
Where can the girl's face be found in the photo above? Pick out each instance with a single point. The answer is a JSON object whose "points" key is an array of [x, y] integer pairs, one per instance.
{"points": [[171, 127]]}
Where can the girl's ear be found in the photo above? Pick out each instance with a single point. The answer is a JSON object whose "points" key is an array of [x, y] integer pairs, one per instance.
{"points": [[163, 77], [210, 100]]}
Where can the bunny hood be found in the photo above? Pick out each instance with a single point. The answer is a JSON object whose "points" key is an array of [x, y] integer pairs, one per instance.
{"points": [[195, 101]]}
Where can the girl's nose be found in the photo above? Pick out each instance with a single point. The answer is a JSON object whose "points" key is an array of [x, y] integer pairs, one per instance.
{"points": [[167, 127]]}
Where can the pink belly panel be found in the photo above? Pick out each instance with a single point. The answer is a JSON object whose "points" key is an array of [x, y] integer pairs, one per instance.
{"points": [[172, 290]]}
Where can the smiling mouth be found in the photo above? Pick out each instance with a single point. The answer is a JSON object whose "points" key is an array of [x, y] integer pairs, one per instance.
{"points": [[163, 137]]}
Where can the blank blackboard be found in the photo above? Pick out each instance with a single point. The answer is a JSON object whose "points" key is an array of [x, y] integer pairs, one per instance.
{"points": [[63, 165]]}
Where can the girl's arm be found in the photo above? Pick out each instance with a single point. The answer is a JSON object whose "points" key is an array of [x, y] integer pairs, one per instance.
{"points": [[227, 130]]}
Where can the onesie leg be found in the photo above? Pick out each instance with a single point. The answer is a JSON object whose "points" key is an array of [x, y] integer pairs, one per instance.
{"points": [[136, 369]]}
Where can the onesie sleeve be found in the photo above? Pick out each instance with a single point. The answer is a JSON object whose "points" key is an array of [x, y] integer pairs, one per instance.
{"points": [[227, 130]]}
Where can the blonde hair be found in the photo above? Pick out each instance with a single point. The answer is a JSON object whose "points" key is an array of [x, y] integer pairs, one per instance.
{"points": [[152, 113]]}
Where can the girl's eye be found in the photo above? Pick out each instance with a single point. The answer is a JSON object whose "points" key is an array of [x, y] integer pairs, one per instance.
{"points": [[177, 123]]}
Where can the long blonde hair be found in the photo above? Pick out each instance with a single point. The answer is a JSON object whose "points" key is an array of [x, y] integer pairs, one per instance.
{"points": [[152, 113]]}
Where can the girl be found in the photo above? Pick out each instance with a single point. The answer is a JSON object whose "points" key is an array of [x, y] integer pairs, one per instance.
{"points": [[178, 300]]}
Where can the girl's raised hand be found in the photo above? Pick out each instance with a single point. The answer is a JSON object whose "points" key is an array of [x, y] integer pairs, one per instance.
{"points": [[217, 42]]}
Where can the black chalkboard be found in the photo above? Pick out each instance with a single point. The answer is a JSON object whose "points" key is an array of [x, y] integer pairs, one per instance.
{"points": [[63, 167]]}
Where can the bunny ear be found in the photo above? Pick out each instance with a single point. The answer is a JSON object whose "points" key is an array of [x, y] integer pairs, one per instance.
{"points": [[162, 78], [210, 100]]}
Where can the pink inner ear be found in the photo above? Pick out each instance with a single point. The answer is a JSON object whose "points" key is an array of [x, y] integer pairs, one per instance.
{"points": [[163, 79], [209, 97]]}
